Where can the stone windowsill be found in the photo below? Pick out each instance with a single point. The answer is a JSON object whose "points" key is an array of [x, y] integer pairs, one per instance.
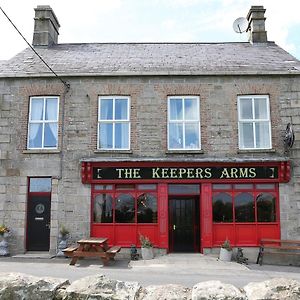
{"points": [[256, 151], [41, 151], [114, 151], [184, 152]]}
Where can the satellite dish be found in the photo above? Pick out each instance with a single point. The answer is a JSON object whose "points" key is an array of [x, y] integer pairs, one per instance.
{"points": [[289, 136], [240, 25]]}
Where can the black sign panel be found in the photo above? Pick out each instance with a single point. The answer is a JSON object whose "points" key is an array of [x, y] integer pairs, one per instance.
{"points": [[185, 173]]}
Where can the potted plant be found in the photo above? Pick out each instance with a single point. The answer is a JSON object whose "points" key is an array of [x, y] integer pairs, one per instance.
{"points": [[62, 240], [225, 251], [4, 233], [146, 247]]}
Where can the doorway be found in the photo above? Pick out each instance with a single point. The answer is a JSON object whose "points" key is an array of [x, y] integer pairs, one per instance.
{"points": [[184, 229], [38, 214]]}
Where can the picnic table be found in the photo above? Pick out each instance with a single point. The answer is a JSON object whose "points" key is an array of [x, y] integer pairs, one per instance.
{"points": [[92, 247]]}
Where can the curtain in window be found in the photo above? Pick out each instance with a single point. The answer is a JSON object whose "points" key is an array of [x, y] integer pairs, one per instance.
{"points": [[37, 109], [51, 109]]}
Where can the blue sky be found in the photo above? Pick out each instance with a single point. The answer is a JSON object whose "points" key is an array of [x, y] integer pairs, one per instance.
{"points": [[150, 21]]}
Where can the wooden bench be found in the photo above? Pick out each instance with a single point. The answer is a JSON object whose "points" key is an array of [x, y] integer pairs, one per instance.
{"points": [[111, 252], [276, 246], [70, 250], [92, 248]]}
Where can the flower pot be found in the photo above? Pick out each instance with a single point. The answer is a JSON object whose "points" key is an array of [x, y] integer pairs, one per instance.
{"points": [[147, 253], [4, 251], [225, 255]]}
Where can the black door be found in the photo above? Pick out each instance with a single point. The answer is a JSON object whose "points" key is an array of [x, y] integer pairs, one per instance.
{"points": [[38, 222], [184, 224]]}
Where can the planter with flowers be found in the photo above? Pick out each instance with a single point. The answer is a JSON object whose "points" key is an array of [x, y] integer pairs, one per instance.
{"points": [[62, 240], [4, 233], [146, 247], [225, 251]]}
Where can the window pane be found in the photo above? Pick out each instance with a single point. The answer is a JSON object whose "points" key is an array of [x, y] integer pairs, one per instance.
{"points": [[260, 106], [263, 186], [121, 135], [121, 106], [103, 209], [106, 109], [146, 187], [192, 189], [243, 186], [40, 185], [222, 207], [246, 135], [35, 135], [175, 136], [147, 208], [191, 111], [50, 138], [244, 207], [176, 109], [266, 207], [124, 211], [103, 187], [106, 135], [262, 135], [51, 109], [221, 186], [246, 108], [37, 109], [192, 136]]}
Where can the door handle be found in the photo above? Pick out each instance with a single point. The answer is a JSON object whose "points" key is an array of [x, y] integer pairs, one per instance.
{"points": [[174, 227]]}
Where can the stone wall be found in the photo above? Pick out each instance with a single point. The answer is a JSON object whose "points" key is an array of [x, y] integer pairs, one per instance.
{"points": [[78, 138], [26, 287]]}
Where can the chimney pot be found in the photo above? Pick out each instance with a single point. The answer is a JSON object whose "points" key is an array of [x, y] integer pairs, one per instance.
{"points": [[256, 19], [46, 26]]}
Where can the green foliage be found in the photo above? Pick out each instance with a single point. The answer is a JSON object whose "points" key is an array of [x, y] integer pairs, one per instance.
{"points": [[145, 241], [63, 231], [3, 229], [226, 245]]}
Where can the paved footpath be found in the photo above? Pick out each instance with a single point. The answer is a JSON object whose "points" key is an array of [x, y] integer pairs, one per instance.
{"points": [[184, 269]]}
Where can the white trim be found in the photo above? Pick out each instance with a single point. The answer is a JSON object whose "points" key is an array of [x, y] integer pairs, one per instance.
{"points": [[113, 122], [254, 120], [184, 122], [43, 121]]}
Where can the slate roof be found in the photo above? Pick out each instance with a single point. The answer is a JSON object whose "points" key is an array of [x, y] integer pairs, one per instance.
{"points": [[153, 59]]}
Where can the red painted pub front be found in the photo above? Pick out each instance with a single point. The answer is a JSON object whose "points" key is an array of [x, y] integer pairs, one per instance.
{"points": [[185, 206]]}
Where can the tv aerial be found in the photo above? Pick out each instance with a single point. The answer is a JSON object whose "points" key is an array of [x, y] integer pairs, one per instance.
{"points": [[240, 25]]}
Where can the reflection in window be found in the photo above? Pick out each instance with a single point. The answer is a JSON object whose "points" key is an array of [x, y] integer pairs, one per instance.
{"points": [[124, 210], [222, 207], [266, 207], [244, 207], [40, 185], [147, 208], [103, 210]]}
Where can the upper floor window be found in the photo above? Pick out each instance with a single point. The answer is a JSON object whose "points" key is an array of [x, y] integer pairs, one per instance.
{"points": [[254, 122], [43, 123], [113, 123], [183, 123]]}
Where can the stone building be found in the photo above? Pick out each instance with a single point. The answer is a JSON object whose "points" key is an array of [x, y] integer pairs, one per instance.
{"points": [[182, 142]]}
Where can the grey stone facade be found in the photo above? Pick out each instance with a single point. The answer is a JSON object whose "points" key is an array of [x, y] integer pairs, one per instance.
{"points": [[148, 87]]}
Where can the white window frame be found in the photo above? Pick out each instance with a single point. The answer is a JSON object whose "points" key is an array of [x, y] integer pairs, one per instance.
{"points": [[113, 121], [254, 121], [43, 121], [184, 122]]}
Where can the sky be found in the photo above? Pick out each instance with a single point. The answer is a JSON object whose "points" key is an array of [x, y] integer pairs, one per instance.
{"points": [[97, 21]]}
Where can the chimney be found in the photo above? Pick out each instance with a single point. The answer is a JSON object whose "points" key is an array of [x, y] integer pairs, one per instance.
{"points": [[45, 26], [256, 19]]}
